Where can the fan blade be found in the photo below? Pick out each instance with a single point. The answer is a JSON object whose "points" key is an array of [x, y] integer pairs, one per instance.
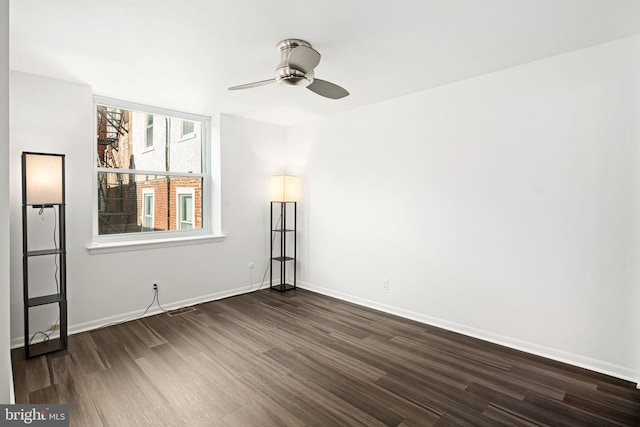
{"points": [[303, 58], [327, 89], [254, 84]]}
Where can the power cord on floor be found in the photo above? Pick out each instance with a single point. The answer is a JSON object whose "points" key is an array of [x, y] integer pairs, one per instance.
{"points": [[156, 299], [46, 334], [156, 296]]}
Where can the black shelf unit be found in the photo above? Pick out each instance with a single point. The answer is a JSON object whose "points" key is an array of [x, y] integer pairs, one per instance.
{"points": [[285, 255], [60, 296]]}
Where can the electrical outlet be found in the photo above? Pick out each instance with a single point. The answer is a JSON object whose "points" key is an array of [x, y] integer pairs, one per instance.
{"points": [[385, 284], [55, 327], [155, 285]]}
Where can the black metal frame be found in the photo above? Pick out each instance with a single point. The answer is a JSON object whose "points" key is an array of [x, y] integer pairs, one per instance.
{"points": [[282, 258], [60, 343]]}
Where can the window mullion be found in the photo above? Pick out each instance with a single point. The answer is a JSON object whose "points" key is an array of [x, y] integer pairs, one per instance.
{"points": [[149, 172]]}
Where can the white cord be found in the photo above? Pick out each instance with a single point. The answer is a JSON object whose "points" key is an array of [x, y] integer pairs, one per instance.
{"points": [[155, 299]]}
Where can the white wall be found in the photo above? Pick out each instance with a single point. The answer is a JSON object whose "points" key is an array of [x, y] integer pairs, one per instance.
{"points": [[6, 378], [55, 116], [503, 206]]}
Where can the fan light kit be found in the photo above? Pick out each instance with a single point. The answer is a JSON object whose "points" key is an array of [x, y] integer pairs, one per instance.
{"points": [[297, 61]]}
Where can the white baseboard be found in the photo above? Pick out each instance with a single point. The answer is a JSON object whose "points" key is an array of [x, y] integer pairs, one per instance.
{"points": [[529, 347], [119, 318]]}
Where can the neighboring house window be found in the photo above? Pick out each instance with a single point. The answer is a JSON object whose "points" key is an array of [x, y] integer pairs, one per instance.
{"points": [[149, 193], [186, 211], [149, 132], [147, 209], [188, 127]]}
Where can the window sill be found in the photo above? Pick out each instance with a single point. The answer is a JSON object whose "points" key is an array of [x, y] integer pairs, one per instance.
{"points": [[137, 245], [187, 137]]}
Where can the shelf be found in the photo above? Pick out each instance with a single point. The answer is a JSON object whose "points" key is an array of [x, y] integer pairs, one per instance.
{"points": [[39, 205], [45, 252], [283, 287], [45, 299], [44, 347], [283, 258]]}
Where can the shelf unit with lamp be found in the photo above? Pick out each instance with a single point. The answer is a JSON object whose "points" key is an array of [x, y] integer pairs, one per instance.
{"points": [[43, 189], [285, 191]]}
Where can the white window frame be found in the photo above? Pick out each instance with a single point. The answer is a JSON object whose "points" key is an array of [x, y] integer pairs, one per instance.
{"points": [[185, 191], [211, 229], [146, 192]]}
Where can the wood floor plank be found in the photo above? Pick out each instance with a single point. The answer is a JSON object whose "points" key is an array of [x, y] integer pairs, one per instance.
{"points": [[613, 407], [255, 414], [188, 405], [504, 415], [304, 359], [75, 391], [85, 354]]}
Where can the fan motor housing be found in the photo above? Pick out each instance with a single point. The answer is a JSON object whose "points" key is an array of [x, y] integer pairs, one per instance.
{"points": [[289, 76], [285, 46]]}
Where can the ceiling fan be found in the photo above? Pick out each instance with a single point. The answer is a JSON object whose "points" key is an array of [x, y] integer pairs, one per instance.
{"points": [[297, 61]]}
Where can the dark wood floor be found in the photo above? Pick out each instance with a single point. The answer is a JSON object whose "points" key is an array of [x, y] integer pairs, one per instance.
{"points": [[299, 358]]}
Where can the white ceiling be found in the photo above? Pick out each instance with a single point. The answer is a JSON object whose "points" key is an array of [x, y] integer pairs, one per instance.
{"points": [[183, 54]]}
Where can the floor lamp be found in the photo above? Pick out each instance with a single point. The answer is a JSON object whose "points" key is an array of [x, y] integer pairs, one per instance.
{"points": [[285, 191], [43, 188]]}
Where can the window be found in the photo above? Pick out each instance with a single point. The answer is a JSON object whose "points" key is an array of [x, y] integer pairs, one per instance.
{"points": [[186, 211], [143, 193], [188, 127], [149, 135], [147, 209]]}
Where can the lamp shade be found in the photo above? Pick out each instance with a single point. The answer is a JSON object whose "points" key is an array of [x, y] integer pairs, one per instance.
{"points": [[285, 188], [43, 178]]}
